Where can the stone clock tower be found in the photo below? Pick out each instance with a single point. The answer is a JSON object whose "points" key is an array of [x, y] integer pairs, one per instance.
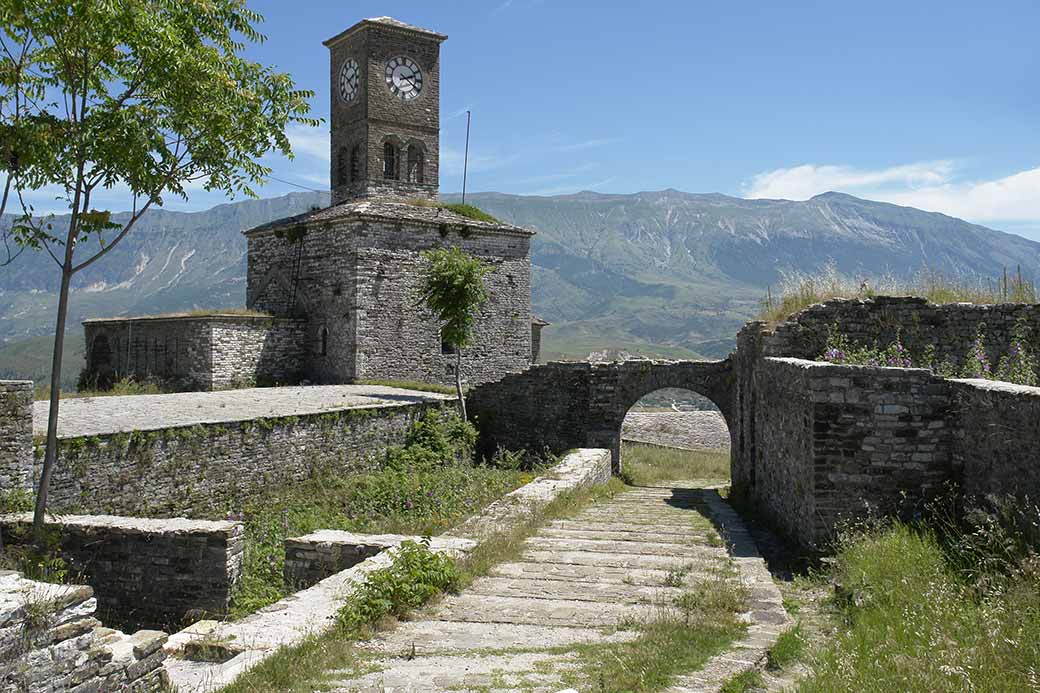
{"points": [[385, 114]]}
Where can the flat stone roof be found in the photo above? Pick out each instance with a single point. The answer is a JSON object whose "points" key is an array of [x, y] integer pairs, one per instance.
{"points": [[89, 416], [375, 209], [193, 315], [385, 22]]}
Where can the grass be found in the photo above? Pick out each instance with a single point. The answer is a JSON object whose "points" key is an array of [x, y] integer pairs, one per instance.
{"points": [[425, 502], [799, 291], [468, 211], [744, 681], [788, 648], [911, 623], [124, 386], [681, 638], [643, 465], [411, 385]]}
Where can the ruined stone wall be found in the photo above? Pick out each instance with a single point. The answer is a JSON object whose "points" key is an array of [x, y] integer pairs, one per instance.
{"points": [[208, 469], [195, 352], [51, 642], [144, 572], [949, 328], [997, 438], [16, 422]]}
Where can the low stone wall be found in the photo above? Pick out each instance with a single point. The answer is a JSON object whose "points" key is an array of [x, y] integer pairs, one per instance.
{"points": [[16, 421], [203, 352], [997, 438], [50, 642], [207, 469], [151, 573]]}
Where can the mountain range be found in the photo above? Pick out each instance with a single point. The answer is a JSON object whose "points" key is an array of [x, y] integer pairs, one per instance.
{"points": [[666, 273]]}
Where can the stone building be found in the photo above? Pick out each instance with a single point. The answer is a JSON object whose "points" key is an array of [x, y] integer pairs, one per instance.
{"points": [[333, 294]]}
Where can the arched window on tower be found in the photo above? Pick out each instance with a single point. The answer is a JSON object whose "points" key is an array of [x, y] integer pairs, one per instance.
{"points": [[355, 163], [342, 170], [324, 341], [415, 164], [390, 161]]}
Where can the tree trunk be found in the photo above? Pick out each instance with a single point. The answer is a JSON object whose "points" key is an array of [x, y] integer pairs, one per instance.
{"points": [[458, 382], [51, 453]]}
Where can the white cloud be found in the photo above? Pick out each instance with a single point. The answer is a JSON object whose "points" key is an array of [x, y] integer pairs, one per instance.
{"points": [[930, 185], [310, 141]]}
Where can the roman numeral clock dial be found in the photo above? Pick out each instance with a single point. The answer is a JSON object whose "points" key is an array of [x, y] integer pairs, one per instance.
{"points": [[349, 80], [404, 79]]}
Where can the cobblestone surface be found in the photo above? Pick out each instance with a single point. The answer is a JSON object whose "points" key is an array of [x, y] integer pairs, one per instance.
{"points": [[690, 430], [101, 415]]}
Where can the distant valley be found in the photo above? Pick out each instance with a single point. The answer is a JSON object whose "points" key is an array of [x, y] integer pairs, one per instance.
{"points": [[657, 273]]}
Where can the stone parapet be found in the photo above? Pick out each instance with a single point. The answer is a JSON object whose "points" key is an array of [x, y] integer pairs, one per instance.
{"points": [[153, 573]]}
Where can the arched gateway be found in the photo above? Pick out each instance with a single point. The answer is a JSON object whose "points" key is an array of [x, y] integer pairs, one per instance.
{"points": [[565, 405]]}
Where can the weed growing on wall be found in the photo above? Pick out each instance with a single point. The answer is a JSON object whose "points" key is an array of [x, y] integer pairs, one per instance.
{"points": [[1018, 366], [422, 488], [416, 575]]}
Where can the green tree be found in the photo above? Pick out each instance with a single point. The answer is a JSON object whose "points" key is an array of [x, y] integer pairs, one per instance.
{"points": [[142, 97], [454, 289]]}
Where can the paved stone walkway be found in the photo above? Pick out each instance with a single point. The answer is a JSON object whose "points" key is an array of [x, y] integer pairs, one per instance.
{"points": [[100, 415], [690, 430], [587, 579]]}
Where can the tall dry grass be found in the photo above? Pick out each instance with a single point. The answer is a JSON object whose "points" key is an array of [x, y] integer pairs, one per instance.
{"points": [[798, 290]]}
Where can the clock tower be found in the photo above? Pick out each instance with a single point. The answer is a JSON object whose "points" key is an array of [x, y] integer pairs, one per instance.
{"points": [[385, 110]]}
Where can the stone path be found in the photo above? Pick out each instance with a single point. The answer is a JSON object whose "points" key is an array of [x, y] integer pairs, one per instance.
{"points": [[584, 580], [100, 415], [690, 430]]}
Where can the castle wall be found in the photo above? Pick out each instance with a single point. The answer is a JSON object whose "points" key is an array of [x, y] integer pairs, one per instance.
{"points": [[16, 435], [50, 642], [195, 352], [207, 469], [146, 573]]}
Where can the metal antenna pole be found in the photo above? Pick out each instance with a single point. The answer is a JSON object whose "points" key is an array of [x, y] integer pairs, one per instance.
{"points": [[465, 159]]}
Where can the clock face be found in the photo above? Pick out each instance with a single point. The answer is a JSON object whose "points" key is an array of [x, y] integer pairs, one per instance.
{"points": [[349, 80], [403, 78]]}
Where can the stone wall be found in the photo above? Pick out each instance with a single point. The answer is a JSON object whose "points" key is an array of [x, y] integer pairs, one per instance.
{"points": [[16, 422], [146, 573], [949, 328], [207, 469], [847, 441], [50, 642], [195, 352], [997, 438], [562, 405]]}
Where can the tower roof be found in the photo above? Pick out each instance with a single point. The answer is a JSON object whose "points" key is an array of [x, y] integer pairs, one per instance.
{"points": [[386, 23]]}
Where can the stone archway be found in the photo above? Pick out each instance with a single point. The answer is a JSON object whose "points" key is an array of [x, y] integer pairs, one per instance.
{"points": [[616, 387]]}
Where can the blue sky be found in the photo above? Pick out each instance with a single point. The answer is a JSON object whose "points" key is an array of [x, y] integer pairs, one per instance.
{"points": [[931, 104]]}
